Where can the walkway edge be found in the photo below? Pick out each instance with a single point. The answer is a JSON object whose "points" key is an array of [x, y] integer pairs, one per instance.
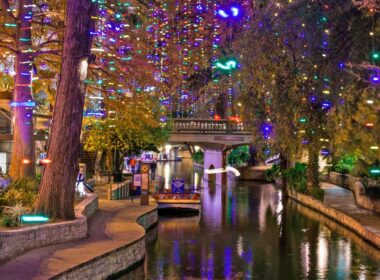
{"points": [[343, 219], [118, 261]]}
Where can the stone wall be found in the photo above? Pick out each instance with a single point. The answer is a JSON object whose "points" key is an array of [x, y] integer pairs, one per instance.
{"points": [[355, 185], [116, 262], [337, 216], [16, 241]]}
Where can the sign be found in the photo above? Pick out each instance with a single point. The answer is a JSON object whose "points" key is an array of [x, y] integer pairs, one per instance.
{"points": [[137, 180], [273, 159], [144, 181], [178, 185], [145, 168]]}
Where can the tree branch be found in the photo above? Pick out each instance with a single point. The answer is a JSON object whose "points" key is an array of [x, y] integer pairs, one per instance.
{"points": [[7, 46], [7, 8], [52, 52]]}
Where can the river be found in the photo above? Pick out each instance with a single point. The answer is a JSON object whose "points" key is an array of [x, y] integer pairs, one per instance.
{"points": [[246, 230]]}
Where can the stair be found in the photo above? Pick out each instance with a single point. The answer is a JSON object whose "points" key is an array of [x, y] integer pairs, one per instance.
{"points": [[88, 158]]}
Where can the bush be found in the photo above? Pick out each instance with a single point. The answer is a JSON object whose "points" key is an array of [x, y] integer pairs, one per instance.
{"points": [[239, 156], [198, 157], [21, 191], [12, 214], [346, 164], [272, 173], [296, 177]]}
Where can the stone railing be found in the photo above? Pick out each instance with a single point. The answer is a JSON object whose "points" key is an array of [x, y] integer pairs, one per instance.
{"points": [[118, 191], [364, 232], [211, 126], [14, 242], [356, 186]]}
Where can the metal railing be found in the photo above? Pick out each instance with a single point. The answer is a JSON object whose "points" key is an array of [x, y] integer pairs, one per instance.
{"points": [[211, 126]]}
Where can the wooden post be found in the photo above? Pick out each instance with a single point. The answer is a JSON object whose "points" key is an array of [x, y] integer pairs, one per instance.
{"points": [[144, 199]]}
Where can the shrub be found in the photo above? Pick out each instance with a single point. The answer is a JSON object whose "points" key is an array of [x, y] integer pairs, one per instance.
{"points": [[12, 214], [21, 191], [346, 164], [239, 156], [272, 173], [198, 157], [296, 177]]}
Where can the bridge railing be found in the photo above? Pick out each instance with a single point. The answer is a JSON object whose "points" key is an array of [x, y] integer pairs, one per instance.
{"points": [[211, 126]]}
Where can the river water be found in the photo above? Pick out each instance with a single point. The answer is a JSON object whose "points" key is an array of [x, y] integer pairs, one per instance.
{"points": [[247, 231]]}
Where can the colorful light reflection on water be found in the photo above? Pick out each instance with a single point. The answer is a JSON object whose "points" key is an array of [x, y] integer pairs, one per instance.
{"points": [[246, 231]]}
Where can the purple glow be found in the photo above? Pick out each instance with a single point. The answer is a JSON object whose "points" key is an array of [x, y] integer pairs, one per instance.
{"points": [[223, 14], [375, 79], [235, 11], [325, 152]]}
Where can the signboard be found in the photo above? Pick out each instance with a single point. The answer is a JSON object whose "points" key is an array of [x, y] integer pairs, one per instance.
{"points": [[144, 181], [178, 185], [273, 159], [136, 180]]}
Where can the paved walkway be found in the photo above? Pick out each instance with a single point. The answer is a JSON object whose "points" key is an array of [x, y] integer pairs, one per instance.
{"points": [[343, 200], [113, 226]]}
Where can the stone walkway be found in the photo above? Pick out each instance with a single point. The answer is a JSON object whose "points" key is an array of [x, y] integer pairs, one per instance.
{"points": [[113, 226], [343, 200]]}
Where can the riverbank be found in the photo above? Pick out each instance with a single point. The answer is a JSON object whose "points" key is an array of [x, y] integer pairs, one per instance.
{"points": [[115, 244], [339, 205]]}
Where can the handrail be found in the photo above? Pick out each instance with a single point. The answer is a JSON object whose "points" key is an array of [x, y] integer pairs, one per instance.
{"points": [[206, 125]]}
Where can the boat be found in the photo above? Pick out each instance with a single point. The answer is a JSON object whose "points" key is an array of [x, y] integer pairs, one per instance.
{"points": [[178, 198]]}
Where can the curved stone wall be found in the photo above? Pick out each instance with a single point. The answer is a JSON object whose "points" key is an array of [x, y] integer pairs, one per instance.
{"points": [[17, 241]]}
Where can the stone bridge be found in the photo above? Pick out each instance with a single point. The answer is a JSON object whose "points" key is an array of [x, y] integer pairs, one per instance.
{"points": [[215, 137]]}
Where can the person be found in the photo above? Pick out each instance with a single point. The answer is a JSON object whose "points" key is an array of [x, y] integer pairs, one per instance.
{"points": [[132, 163], [138, 166], [80, 183], [153, 167]]}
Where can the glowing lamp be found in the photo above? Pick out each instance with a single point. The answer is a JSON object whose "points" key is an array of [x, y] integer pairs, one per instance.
{"points": [[369, 125], [375, 79], [217, 118], [375, 56], [228, 65], [235, 11], [303, 120], [375, 171], [23, 104], [231, 12], [222, 13], [34, 218], [325, 152], [374, 147], [46, 161], [25, 161]]}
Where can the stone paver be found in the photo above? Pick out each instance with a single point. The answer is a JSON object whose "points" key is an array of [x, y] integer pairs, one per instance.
{"points": [[113, 226], [343, 200]]}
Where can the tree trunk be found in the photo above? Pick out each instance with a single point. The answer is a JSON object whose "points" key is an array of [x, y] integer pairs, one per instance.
{"points": [[283, 167], [56, 193], [313, 168], [23, 153]]}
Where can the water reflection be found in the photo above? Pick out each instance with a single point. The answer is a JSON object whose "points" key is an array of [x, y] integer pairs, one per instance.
{"points": [[247, 231]]}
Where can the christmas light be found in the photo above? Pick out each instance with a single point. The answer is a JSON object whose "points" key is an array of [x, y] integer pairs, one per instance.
{"points": [[33, 218], [23, 104], [228, 65]]}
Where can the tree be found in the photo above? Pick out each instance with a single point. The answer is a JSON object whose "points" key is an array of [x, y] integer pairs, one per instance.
{"points": [[56, 193], [25, 36], [291, 77], [133, 127]]}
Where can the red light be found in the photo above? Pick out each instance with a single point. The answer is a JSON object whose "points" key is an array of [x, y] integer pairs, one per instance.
{"points": [[234, 118], [217, 117], [25, 161], [45, 161]]}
